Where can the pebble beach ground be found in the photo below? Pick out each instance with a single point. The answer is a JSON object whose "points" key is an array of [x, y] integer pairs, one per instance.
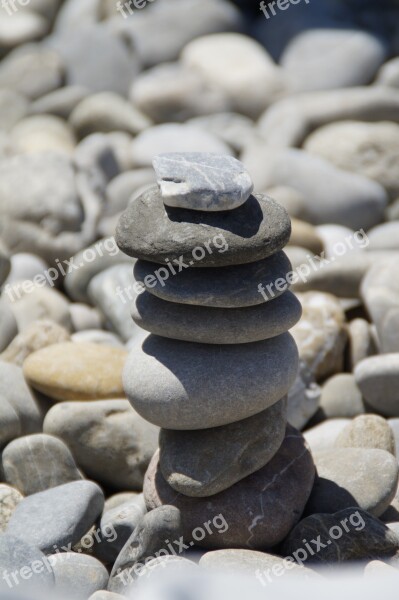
{"points": [[199, 299]]}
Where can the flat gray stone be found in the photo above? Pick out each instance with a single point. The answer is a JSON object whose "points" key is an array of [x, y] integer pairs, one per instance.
{"points": [[378, 380], [255, 230], [220, 287], [257, 512], [341, 397], [348, 477], [109, 440], [9, 498], [35, 463], [57, 517], [32, 570], [151, 535], [14, 389], [205, 462], [362, 537], [178, 385], [201, 181], [367, 431], [206, 325], [77, 576]]}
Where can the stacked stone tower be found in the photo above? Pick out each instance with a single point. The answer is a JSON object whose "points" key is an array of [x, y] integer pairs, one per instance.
{"points": [[218, 363]]}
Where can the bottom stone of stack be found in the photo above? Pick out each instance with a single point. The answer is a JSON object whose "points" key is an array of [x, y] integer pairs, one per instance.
{"points": [[258, 512], [207, 461]]}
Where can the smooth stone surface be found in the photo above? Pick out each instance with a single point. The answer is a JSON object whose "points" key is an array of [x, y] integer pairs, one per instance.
{"points": [[59, 516], [5, 265], [60, 102], [303, 398], [25, 266], [39, 334], [259, 511], [384, 236], [332, 58], [109, 440], [367, 538], [348, 477], [70, 371], [254, 564], [234, 129], [305, 236], [97, 336], [379, 291], [77, 576], [200, 181], [84, 317], [42, 133], [320, 334], [161, 524], [394, 425], [10, 425], [116, 527], [378, 380], [17, 554], [323, 436], [14, 389], [255, 80], [107, 112], [174, 137], [111, 291], [178, 385], [13, 107], [9, 499], [341, 397], [122, 187], [361, 342], [33, 302], [104, 595], [367, 431], [38, 462], [8, 324], [205, 462], [206, 325], [255, 230], [239, 286], [369, 149], [173, 93], [332, 195]]}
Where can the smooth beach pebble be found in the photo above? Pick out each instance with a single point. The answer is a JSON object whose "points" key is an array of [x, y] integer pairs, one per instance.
{"points": [[72, 371], [178, 385], [378, 380]]}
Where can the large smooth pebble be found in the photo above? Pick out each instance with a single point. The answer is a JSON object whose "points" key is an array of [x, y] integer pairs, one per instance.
{"points": [[18, 557], [77, 576], [257, 512], [178, 385], [378, 380]]}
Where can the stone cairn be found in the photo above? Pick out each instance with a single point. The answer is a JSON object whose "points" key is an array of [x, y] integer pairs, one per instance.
{"points": [[218, 363]]}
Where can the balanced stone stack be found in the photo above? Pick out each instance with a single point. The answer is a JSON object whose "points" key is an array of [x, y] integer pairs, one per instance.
{"points": [[218, 363]]}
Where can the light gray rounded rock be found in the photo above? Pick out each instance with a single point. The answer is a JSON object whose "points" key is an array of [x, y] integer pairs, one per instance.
{"points": [[361, 342], [8, 324], [105, 595], [255, 513], [59, 516], [9, 499], [378, 380], [60, 102], [30, 304], [18, 556], [178, 385], [108, 439], [367, 431], [97, 336], [77, 576], [121, 188], [234, 129], [237, 286], [38, 462], [85, 317], [205, 462], [341, 397], [25, 266], [13, 107], [206, 325], [303, 398], [254, 231], [14, 389], [10, 425], [202, 181], [324, 435], [349, 477]]}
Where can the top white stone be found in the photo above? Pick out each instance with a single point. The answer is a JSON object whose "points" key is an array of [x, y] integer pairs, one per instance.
{"points": [[202, 181]]}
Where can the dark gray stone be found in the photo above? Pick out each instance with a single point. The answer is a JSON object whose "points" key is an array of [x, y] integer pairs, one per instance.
{"points": [[30, 567], [255, 230], [362, 477], [257, 512], [38, 462], [226, 287], [205, 462], [156, 529], [77, 576], [206, 325], [362, 537], [201, 181], [179, 385], [109, 440], [57, 517]]}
